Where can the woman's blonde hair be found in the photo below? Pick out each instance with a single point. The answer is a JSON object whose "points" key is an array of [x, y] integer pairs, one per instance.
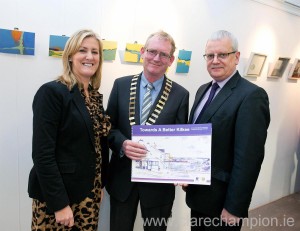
{"points": [[72, 46]]}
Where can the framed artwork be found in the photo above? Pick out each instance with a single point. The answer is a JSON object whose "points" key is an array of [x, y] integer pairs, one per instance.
{"points": [[255, 64], [295, 70], [133, 53], [57, 45], [17, 42], [279, 67], [183, 61], [109, 50]]}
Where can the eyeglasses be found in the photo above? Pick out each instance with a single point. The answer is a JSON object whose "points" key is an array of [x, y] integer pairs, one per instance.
{"points": [[163, 56], [220, 56]]}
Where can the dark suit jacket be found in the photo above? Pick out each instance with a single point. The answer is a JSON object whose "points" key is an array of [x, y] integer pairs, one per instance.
{"points": [[175, 111], [240, 117], [63, 149]]}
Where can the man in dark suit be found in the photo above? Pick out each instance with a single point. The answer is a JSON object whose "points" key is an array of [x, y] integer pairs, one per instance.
{"points": [[239, 114], [169, 106]]}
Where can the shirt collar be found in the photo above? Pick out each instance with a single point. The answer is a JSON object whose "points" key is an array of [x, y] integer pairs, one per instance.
{"points": [[156, 83], [222, 83]]}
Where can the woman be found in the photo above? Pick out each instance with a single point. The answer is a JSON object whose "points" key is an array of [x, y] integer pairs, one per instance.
{"points": [[69, 148]]}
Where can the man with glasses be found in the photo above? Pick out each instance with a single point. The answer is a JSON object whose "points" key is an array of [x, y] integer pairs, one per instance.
{"points": [[239, 113], [146, 98]]}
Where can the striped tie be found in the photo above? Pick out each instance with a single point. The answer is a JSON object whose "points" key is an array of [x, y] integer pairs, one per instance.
{"points": [[147, 102]]}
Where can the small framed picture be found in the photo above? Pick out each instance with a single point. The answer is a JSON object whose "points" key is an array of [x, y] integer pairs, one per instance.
{"points": [[295, 70], [255, 64], [279, 67]]}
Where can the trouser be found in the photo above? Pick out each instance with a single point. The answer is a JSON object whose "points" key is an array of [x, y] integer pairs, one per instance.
{"points": [[123, 214]]}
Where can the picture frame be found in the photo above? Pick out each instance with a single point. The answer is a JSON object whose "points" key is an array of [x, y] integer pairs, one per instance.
{"points": [[295, 70], [279, 67], [255, 64]]}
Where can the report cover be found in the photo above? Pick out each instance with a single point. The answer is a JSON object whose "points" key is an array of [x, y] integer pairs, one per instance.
{"points": [[178, 153]]}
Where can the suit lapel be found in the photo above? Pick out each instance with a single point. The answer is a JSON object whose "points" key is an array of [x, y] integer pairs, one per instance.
{"points": [[79, 102], [198, 98], [222, 96], [137, 100], [215, 104]]}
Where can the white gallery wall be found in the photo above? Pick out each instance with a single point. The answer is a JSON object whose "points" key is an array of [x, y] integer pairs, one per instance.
{"points": [[258, 27]]}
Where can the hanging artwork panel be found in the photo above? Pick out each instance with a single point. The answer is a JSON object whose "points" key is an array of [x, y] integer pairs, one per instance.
{"points": [[109, 50], [255, 64], [133, 53], [57, 45], [295, 70], [17, 42], [279, 67], [183, 61]]}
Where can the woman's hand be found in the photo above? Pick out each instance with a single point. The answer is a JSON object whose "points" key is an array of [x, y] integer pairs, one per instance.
{"points": [[65, 216]]}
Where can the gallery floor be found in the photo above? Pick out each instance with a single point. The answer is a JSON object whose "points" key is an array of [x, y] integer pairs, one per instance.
{"points": [[280, 215]]}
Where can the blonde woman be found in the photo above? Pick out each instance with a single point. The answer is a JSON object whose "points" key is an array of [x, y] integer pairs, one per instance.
{"points": [[69, 148]]}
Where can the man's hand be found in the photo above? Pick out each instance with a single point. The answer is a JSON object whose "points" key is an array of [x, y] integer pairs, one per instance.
{"points": [[184, 186], [65, 216], [134, 150], [229, 218]]}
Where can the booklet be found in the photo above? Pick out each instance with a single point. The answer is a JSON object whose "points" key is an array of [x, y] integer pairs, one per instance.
{"points": [[178, 153]]}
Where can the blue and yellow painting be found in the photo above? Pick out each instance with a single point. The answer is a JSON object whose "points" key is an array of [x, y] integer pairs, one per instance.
{"points": [[17, 42], [133, 53], [57, 45], [184, 61], [109, 50]]}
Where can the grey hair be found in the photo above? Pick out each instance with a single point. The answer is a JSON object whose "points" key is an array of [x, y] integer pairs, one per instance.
{"points": [[221, 34]]}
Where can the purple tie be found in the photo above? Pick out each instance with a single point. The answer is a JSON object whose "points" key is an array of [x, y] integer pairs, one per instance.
{"points": [[212, 93]]}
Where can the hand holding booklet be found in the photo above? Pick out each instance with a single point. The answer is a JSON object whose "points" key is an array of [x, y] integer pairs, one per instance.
{"points": [[178, 153]]}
